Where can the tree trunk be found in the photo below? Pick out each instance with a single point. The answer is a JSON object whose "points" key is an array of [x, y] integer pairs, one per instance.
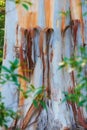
{"points": [[39, 38]]}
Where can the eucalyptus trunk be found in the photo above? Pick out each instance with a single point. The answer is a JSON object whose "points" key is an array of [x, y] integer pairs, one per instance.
{"points": [[41, 38]]}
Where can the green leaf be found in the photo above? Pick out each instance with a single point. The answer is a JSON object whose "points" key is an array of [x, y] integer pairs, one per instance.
{"points": [[22, 77], [65, 13], [35, 102], [14, 78], [25, 6], [43, 104], [85, 14], [39, 91], [25, 95], [28, 2], [32, 87], [3, 82], [81, 103], [14, 65], [28, 91], [6, 69]]}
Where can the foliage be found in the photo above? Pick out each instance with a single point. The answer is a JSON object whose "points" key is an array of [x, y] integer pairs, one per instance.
{"points": [[5, 114], [77, 65], [65, 13], [10, 75], [2, 21], [25, 3]]}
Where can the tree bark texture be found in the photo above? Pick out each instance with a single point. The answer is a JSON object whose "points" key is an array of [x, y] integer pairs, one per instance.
{"points": [[41, 37]]}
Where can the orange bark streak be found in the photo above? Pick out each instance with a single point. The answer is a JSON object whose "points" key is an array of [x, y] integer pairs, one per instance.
{"points": [[49, 7], [76, 9], [76, 14], [63, 22], [27, 19], [22, 86]]}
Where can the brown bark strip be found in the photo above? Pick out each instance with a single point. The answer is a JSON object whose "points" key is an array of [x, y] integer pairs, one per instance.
{"points": [[31, 63], [74, 29], [5, 51], [14, 126], [29, 115], [26, 52], [48, 37], [46, 56], [27, 64], [51, 56], [76, 19], [71, 91], [81, 119], [17, 47], [17, 34], [48, 64], [73, 78], [49, 12], [23, 57], [66, 128], [41, 43], [77, 112]]}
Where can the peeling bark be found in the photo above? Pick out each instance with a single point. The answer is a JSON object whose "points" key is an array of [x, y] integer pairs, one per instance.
{"points": [[77, 18], [49, 13], [28, 19], [40, 48]]}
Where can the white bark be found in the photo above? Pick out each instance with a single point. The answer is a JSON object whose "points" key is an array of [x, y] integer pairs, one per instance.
{"points": [[9, 90]]}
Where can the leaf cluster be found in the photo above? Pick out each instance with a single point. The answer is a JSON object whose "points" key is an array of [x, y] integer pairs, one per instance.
{"points": [[6, 113], [10, 75], [77, 64]]}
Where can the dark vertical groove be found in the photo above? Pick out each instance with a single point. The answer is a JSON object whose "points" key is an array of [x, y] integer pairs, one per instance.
{"points": [[74, 29], [48, 38]]}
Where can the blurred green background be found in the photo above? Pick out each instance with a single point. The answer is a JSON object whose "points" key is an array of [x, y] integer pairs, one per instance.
{"points": [[2, 24]]}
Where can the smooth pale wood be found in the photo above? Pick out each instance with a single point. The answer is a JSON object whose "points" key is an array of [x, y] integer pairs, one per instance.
{"points": [[23, 87], [76, 9], [49, 13]]}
